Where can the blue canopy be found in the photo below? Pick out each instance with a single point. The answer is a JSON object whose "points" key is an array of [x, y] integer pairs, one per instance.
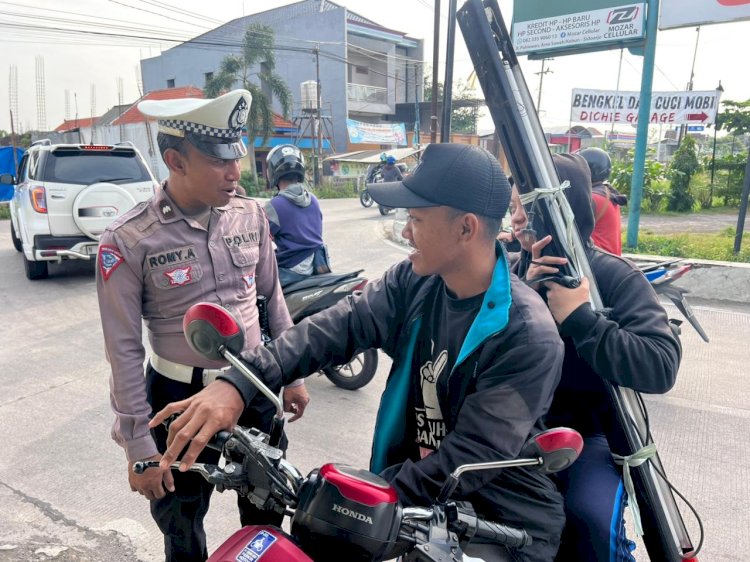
{"points": [[8, 166]]}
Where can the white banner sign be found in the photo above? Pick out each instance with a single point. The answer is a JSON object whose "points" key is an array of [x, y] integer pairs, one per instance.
{"points": [[668, 108], [596, 26], [684, 13]]}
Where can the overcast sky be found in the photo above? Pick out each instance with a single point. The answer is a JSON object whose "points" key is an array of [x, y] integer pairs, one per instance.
{"points": [[73, 62]]}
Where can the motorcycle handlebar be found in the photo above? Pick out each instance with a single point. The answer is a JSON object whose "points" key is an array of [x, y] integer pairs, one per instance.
{"points": [[502, 534]]}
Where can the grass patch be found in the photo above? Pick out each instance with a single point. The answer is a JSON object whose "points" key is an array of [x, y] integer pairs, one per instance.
{"points": [[4, 211], [698, 246]]}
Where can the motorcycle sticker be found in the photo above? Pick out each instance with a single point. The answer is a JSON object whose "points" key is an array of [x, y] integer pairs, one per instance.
{"points": [[257, 547]]}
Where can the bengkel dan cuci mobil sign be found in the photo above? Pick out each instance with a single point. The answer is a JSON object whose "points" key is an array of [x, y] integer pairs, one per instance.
{"points": [[667, 108], [684, 13]]}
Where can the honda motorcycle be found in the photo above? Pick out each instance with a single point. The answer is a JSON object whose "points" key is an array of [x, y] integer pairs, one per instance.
{"points": [[337, 511], [318, 292], [661, 276]]}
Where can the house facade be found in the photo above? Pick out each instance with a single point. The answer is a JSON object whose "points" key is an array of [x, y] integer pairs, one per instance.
{"points": [[365, 69]]}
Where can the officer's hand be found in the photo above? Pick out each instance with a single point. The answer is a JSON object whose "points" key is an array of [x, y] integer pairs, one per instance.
{"points": [[563, 301], [217, 407], [296, 399], [540, 265], [153, 483]]}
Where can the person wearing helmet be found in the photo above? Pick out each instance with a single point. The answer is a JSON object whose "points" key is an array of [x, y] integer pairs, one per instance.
{"points": [[295, 217], [390, 171], [606, 200]]}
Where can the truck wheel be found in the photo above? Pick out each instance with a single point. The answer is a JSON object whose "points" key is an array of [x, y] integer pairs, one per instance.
{"points": [[35, 269]]}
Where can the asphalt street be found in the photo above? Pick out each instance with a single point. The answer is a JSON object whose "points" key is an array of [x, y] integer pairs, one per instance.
{"points": [[63, 484]]}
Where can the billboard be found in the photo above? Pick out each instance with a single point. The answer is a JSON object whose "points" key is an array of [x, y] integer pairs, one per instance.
{"points": [[667, 108], [685, 13], [376, 133], [540, 26]]}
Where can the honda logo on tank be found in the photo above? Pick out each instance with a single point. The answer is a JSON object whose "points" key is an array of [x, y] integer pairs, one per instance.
{"points": [[685, 13]]}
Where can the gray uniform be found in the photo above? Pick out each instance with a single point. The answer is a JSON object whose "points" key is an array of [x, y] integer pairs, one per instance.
{"points": [[154, 263]]}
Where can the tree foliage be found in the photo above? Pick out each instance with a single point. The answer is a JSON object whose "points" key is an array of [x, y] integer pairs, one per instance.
{"points": [[463, 119], [684, 165], [254, 69], [653, 178]]}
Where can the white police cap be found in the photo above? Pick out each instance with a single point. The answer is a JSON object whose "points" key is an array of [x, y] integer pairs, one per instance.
{"points": [[213, 126]]}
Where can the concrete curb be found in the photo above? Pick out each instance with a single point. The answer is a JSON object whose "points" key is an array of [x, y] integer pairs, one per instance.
{"points": [[709, 280]]}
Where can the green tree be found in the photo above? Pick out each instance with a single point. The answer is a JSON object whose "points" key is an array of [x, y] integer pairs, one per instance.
{"points": [[684, 165], [256, 61], [465, 106], [653, 178], [736, 119]]}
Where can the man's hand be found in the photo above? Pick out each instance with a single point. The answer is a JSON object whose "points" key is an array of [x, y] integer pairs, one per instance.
{"points": [[216, 407], [296, 399], [563, 301], [154, 483]]}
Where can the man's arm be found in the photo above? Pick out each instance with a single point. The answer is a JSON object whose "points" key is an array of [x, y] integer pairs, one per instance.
{"points": [[119, 290], [366, 320]]}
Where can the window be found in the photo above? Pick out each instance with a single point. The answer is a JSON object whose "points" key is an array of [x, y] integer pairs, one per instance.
{"points": [[208, 76], [361, 70], [84, 168], [170, 83]]}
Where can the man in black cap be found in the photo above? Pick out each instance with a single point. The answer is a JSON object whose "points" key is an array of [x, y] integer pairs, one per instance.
{"points": [[476, 354], [194, 240]]}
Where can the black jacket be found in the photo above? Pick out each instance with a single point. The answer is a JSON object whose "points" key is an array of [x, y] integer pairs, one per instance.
{"points": [[492, 400]]}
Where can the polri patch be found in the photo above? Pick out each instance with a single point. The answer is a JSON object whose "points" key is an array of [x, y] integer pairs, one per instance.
{"points": [[179, 276], [242, 239], [257, 547], [110, 259]]}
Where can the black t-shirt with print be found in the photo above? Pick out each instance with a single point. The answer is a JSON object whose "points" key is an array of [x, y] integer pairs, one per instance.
{"points": [[444, 326]]}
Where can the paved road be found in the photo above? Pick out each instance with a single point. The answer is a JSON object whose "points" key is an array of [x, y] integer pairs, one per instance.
{"points": [[690, 222], [62, 481]]}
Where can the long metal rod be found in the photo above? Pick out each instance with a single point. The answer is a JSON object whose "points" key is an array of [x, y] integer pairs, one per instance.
{"points": [[523, 140]]}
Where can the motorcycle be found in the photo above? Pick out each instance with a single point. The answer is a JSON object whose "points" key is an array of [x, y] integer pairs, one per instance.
{"points": [[338, 511], [318, 292], [661, 276]]}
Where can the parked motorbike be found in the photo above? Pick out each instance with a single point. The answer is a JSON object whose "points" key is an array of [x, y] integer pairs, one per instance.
{"points": [[661, 276], [318, 292], [337, 511]]}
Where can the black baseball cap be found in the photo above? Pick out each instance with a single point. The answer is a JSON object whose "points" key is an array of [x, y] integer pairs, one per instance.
{"points": [[461, 176]]}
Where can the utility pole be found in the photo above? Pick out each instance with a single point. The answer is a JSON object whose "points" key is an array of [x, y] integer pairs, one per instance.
{"points": [[445, 126], [719, 91], [318, 129], [541, 74], [617, 88], [435, 63], [683, 127]]}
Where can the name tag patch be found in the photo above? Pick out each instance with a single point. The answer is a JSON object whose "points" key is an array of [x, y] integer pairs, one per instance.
{"points": [[169, 257], [243, 239], [110, 259], [257, 547]]}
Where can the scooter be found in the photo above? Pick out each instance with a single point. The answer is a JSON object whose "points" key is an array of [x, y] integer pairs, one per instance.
{"points": [[318, 292], [661, 276], [337, 511]]}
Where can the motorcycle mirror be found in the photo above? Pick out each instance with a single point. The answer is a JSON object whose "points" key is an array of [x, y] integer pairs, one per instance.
{"points": [[549, 451], [209, 329], [557, 448]]}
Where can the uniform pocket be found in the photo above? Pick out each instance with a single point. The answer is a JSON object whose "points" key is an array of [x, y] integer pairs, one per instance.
{"points": [[244, 256]]}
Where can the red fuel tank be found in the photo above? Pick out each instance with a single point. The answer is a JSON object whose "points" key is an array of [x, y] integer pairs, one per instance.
{"points": [[255, 541]]}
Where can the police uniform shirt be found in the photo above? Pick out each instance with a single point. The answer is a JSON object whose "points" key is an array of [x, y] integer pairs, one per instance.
{"points": [[154, 263]]}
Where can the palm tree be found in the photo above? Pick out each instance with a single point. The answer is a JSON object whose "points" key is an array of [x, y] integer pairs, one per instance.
{"points": [[257, 54]]}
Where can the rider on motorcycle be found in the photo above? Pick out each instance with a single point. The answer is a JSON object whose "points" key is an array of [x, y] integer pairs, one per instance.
{"points": [[390, 171], [295, 217], [607, 201]]}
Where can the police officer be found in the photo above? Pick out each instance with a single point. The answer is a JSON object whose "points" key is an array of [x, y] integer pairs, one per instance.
{"points": [[194, 240]]}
